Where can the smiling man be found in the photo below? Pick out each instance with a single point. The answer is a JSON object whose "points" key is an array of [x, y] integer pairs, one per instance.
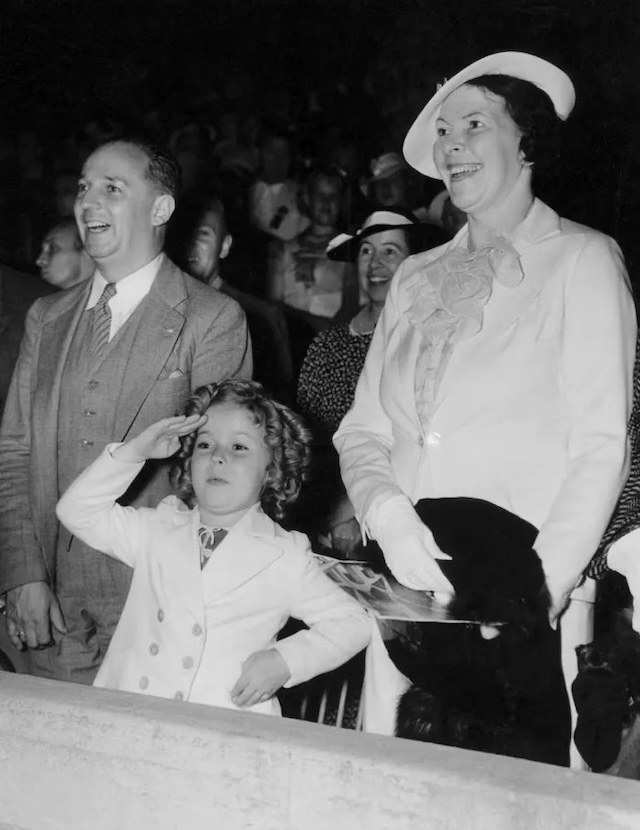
{"points": [[99, 363]]}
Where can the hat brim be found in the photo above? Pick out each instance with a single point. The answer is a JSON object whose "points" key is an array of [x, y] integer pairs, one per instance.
{"points": [[418, 144], [423, 237]]}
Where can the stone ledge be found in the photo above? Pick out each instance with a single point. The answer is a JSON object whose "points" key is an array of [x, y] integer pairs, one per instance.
{"points": [[73, 758]]}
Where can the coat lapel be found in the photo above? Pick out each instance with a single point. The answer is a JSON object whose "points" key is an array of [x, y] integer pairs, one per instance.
{"points": [[534, 242], [250, 547], [58, 329], [159, 328]]}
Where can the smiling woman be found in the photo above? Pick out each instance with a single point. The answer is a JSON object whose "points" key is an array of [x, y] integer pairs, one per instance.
{"points": [[485, 383]]}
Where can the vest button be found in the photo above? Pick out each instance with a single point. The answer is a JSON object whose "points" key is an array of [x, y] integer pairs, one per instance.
{"points": [[88, 413], [196, 630], [160, 615], [85, 443], [154, 648], [187, 663], [143, 682]]}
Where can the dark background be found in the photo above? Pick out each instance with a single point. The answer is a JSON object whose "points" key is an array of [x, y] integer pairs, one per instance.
{"points": [[65, 60]]}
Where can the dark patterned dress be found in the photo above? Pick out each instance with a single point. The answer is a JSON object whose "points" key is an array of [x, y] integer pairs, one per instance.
{"points": [[329, 374], [626, 516]]}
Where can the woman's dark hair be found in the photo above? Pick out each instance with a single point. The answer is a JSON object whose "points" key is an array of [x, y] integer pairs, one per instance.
{"points": [[285, 435], [534, 115]]}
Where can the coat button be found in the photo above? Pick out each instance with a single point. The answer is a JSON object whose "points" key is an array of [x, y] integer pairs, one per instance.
{"points": [[196, 630], [154, 648], [178, 696], [421, 441], [160, 615], [143, 682], [187, 663]]}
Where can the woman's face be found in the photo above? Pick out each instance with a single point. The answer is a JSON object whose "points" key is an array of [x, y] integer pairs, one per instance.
{"points": [[379, 257], [477, 151]]}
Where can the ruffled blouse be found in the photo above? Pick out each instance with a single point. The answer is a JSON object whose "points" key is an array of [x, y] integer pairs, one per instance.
{"points": [[446, 305]]}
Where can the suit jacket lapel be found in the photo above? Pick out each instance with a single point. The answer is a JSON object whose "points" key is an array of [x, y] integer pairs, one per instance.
{"points": [[158, 330]]}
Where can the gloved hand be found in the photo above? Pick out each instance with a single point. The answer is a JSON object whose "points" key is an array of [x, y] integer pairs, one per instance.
{"points": [[408, 546]]}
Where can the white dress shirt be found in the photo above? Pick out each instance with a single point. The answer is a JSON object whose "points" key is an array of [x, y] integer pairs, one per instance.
{"points": [[130, 291]]}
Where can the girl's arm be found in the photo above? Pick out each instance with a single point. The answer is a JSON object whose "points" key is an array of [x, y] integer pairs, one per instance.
{"points": [[88, 509]]}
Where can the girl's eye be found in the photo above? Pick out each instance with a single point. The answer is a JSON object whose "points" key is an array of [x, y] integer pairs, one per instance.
{"points": [[475, 124], [441, 131], [112, 188], [82, 188], [202, 445], [239, 447], [389, 251]]}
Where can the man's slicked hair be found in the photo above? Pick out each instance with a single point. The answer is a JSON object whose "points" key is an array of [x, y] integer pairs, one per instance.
{"points": [[163, 171]]}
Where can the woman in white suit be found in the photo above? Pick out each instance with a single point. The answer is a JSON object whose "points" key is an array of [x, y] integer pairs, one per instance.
{"points": [[502, 363]]}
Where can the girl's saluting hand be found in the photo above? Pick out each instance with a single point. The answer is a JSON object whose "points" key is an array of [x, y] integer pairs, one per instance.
{"points": [[160, 440]]}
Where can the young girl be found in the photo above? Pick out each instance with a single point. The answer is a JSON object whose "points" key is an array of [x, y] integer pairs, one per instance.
{"points": [[215, 577]]}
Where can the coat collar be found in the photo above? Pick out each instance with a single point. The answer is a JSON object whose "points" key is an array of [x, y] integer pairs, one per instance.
{"points": [[238, 559]]}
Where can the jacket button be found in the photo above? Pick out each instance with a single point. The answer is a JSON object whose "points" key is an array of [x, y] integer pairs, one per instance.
{"points": [[421, 441], [196, 630], [187, 663], [160, 615], [88, 413], [143, 682], [93, 384], [178, 696], [154, 649]]}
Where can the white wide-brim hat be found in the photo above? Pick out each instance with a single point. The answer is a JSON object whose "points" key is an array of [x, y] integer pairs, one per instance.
{"points": [[418, 145]]}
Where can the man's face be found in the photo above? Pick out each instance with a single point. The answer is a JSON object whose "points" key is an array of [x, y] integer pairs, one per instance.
{"points": [[60, 260], [116, 208], [324, 202], [210, 244]]}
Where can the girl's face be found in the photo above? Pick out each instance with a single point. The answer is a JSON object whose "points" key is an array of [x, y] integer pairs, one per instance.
{"points": [[229, 464], [477, 151], [379, 257]]}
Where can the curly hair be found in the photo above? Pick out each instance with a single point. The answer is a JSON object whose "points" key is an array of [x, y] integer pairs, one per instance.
{"points": [[534, 115], [284, 434]]}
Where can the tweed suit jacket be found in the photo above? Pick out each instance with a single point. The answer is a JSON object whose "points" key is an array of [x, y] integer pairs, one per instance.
{"points": [[188, 335]]}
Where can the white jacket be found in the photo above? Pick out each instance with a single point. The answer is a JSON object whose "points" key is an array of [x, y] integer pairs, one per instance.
{"points": [[184, 633], [531, 413]]}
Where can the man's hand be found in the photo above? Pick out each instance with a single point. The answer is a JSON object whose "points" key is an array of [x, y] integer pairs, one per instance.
{"points": [[263, 673], [31, 610], [345, 536], [160, 440]]}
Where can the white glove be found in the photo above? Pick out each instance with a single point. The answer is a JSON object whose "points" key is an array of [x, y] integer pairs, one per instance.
{"points": [[408, 545], [624, 557]]}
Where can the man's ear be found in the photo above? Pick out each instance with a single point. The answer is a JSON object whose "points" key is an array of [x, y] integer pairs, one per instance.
{"points": [[227, 242], [163, 207]]}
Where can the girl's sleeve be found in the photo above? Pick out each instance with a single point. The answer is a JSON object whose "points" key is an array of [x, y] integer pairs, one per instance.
{"points": [[339, 628], [88, 509]]}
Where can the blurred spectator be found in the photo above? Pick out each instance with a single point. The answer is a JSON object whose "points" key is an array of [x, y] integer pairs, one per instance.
{"points": [[17, 293], [63, 261], [274, 207], [208, 249]]}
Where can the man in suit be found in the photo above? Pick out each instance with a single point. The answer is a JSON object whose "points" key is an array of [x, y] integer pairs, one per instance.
{"points": [[99, 363]]}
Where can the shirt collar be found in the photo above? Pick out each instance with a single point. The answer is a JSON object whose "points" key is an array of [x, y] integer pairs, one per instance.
{"points": [[131, 289]]}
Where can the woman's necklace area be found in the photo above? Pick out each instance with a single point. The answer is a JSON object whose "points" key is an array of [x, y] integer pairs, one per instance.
{"points": [[365, 321]]}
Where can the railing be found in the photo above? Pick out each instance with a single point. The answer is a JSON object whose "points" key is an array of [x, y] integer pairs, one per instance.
{"points": [[77, 758]]}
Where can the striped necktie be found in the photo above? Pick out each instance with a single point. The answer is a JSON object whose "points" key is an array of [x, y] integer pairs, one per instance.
{"points": [[101, 327], [210, 538]]}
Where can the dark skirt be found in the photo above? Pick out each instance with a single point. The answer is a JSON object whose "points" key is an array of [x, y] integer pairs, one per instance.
{"points": [[505, 695]]}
